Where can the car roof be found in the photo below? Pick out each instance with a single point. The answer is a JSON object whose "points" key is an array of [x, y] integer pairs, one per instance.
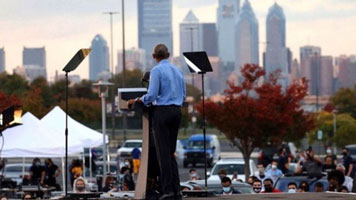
{"points": [[133, 141], [198, 137], [231, 160], [17, 164], [351, 146]]}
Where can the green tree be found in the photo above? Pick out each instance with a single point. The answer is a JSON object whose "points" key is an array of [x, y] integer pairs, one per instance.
{"points": [[59, 90], [346, 130], [13, 84], [84, 89], [345, 101], [33, 102], [325, 123], [48, 99]]}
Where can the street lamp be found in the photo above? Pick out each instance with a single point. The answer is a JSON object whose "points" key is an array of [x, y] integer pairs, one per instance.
{"points": [[103, 86]]}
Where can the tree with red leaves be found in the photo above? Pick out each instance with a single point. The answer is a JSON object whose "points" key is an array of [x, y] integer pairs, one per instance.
{"points": [[7, 101], [252, 114]]}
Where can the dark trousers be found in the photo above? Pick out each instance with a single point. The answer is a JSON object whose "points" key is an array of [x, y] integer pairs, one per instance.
{"points": [[166, 121]]}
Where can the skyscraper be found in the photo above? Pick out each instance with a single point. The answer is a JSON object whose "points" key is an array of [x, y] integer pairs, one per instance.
{"points": [[2, 60], [208, 38], [35, 57], [326, 76], [98, 58], [189, 33], [134, 58], [276, 51], [305, 53], [154, 26], [227, 14], [246, 37], [347, 71]]}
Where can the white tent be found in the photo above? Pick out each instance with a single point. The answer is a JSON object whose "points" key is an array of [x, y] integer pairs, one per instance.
{"points": [[34, 139], [55, 119]]}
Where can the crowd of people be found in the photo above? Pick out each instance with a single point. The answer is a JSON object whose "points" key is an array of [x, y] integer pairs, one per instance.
{"points": [[339, 173]]}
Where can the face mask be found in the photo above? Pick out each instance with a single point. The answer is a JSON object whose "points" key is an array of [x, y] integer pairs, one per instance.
{"points": [[261, 170], [268, 189], [226, 189], [328, 151], [292, 190], [37, 164], [193, 175], [257, 190], [80, 188], [127, 163], [274, 166]]}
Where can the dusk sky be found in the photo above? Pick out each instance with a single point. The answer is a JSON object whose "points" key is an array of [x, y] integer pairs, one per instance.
{"points": [[64, 26]]}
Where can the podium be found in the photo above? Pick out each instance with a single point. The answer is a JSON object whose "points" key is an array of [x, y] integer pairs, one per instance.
{"points": [[126, 94]]}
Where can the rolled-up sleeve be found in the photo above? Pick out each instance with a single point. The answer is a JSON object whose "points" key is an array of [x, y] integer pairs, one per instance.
{"points": [[153, 88]]}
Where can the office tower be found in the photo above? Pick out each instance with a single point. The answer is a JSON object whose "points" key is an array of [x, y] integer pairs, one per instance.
{"points": [[276, 52], [295, 71], [134, 58], [189, 33], [2, 60], [347, 71], [208, 38], [33, 57], [305, 53], [98, 58], [246, 37], [154, 26], [227, 14], [326, 76]]}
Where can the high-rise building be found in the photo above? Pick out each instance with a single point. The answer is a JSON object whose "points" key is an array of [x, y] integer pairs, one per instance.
{"points": [[98, 58], [246, 37], [2, 60], [276, 52], [227, 14], [154, 26], [208, 38], [32, 57], [134, 58], [189, 33], [305, 53], [326, 76], [347, 71]]}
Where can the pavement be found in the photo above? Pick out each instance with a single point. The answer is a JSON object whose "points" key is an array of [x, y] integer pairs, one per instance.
{"points": [[284, 196]]}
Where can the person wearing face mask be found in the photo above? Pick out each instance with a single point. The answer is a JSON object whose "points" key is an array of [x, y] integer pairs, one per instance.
{"points": [[222, 173], [257, 185], [274, 173], [328, 164], [127, 179], [79, 185], [52, 172], [193, 175], [227, 188], [347, 162], [37, 172], [329, 153], [292, 187], [109, 183], [268, 183], [260, 173]]}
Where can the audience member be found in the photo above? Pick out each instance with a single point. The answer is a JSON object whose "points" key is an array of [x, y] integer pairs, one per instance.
{"points": [[292, 187], [52, 172], [329, 153], [274, 173], [328, 164], [136, 154], [268, 183], [347, 162], [37, 172], [193, 175], [312, 165], [227, 188], [318, 187], [222, 173], [260, 174], [257, 185], [127, 181], [335, 179], [109, 184], [348, 180], [343, 189], [251, 179], [304, 186], [283, 160], [79, 185]]}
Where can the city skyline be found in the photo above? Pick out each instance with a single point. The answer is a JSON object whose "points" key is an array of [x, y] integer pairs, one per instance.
{"points": [[69, 26]]}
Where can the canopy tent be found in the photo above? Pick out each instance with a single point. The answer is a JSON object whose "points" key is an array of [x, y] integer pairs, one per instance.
{"points": [[34, 139], [55, 119]]}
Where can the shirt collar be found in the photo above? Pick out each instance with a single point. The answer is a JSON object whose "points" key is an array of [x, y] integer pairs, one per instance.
{"points": [[163, 61]]}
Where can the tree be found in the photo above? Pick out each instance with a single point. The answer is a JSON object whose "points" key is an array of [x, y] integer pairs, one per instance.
{"points": [[6, 101], [47, 96], [324, 123], [13, 84], [345, 130], [250, 115], [33, 102], [345, 101]]}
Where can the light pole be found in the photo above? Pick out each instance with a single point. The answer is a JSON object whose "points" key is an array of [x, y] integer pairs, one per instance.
{"points": [[124, 116], [334, 128], [103, 86]]}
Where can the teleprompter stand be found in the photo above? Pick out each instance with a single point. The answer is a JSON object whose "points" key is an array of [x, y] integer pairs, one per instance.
{"points": [[198, 62]]}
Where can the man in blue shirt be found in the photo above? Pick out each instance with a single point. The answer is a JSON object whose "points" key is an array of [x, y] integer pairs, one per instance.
{"points": [[166, 92]]}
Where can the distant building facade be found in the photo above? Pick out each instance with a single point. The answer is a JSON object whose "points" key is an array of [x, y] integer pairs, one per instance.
{"points": [[246, 37], [98, 58], [2, 60], [134, 59], [189, 34], [30, 72], [154, 26], [208, 38], [276, 57], [346, 77], [227, 14], [32, 57]]}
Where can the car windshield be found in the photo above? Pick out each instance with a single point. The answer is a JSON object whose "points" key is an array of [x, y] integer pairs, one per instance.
{"points": [[198, 144], [16, 169], [352, 151], [229, 168], [133, 144]]}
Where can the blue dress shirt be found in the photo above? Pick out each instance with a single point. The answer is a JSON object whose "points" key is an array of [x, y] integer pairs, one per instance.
{"points": [[166, 86]]}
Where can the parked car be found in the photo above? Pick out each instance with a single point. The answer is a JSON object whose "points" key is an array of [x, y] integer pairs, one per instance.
{"points": [[215, 185], [16, 171], [125, 150], [352, 150], [179, 152], [282, 182], [231, 165], [194, 150]]}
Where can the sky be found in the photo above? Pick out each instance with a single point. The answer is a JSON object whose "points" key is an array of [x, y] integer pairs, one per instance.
{"points": [[64, 26]]}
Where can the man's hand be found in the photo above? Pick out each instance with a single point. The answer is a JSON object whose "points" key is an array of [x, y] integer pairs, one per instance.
{"points": [[133, 101]]}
